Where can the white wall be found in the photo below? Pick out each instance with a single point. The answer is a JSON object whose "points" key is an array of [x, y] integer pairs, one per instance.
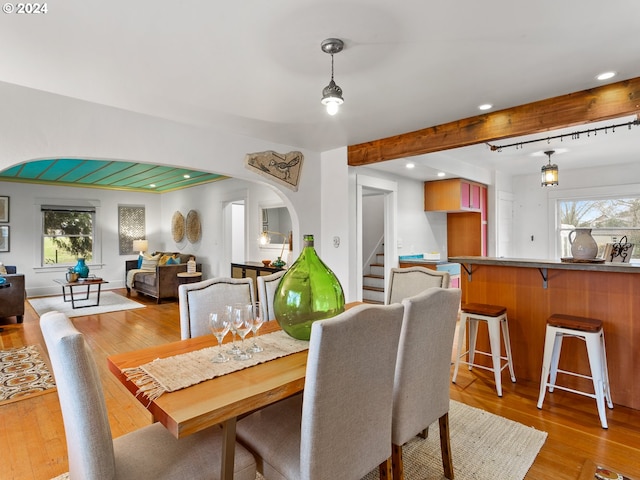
{"points": [[534, 205], [26, 240], [418, 231], [37, 125], [214, 249]]}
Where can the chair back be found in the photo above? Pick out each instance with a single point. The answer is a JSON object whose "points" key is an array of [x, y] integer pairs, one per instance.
{"points": [[84, 412], [346, 412], [267, 285], [407, 282], [421, 389], [198, 300]]}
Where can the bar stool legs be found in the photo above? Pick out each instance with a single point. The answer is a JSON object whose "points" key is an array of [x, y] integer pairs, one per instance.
{"points": [[496, 318], [591, 332]]}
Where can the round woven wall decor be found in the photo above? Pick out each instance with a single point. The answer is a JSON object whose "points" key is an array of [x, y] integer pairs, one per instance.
{"points": [[177, 227], [193, 226]]}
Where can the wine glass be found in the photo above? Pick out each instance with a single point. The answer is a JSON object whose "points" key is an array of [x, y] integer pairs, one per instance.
{"points": [[234, 350], [219, 324], [258, 320], [242, 320]]}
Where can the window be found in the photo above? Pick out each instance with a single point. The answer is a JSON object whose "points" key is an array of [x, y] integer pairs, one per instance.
{"points": [[610, 219], [67, 233]]}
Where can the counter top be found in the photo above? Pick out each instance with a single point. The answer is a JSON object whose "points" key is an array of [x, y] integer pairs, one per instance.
{"points": [[554, 264]]}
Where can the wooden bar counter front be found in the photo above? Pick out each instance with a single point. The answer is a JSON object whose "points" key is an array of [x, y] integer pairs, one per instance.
{"points": [[532, 290]]}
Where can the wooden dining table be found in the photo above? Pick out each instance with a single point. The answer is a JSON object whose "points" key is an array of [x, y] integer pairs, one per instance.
{"points": [[221, 400]]}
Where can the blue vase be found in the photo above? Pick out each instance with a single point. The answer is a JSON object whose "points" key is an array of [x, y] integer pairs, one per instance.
{"points": [[81, 268]]}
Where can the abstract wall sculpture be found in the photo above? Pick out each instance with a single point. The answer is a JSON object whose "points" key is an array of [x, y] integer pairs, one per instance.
{"points": [[193, 226], [283, 168], [177, 227]]}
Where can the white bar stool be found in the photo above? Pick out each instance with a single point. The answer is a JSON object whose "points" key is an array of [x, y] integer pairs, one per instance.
{"points": [[496, 317], [590, 331]]}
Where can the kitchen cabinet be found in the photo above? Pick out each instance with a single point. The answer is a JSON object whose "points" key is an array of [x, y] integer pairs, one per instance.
{"points": [[467, 221], [454, 195]]}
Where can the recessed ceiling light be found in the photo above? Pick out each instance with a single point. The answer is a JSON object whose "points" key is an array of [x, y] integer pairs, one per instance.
{"points": [[606, 76], [410, 165], [441, 174], [152, 185], [186, 176], [485, 106]]}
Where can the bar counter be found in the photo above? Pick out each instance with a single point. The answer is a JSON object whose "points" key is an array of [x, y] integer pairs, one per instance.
{"points": [[532, 290]]}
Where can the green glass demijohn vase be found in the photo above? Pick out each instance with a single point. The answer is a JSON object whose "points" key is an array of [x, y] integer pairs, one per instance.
{"points": [[81, 268], [307, 292]]}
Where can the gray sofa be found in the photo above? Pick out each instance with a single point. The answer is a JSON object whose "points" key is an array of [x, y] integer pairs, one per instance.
{"points": [[12, 295], [163, 281]]}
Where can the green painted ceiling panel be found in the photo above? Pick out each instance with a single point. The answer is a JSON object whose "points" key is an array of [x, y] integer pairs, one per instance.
{"points": [[83, 170], [59, 168], [33, 170], [107, 174], [102, 176]]}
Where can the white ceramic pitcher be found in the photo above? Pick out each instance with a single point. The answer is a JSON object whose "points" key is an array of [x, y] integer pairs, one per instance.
{"points": [[583, 246]]}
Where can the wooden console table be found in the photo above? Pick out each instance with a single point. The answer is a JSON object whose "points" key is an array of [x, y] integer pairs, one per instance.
{"points": [[252, 270]]}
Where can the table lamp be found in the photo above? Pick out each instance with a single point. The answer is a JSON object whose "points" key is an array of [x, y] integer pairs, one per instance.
{"points": [[141, 246]]}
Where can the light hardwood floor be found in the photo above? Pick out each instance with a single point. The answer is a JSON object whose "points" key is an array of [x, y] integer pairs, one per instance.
{"points": [[32, 441]]}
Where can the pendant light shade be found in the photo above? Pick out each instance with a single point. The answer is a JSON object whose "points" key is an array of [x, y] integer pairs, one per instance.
{"points": [[332, 93], [549, 172]]}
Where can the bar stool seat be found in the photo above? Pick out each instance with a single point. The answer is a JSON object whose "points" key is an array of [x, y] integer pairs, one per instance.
{"points": [[496, 318], [591, 332]]}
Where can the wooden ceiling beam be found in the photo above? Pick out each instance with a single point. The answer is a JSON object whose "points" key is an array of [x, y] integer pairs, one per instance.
{"points": [[601, 103]]}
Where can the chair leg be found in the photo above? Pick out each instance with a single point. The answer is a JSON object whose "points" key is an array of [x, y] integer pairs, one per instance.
{"points": [[396, 461], [462, 331], [385, 468], [445, 446], [494, 342], [424, 433]]}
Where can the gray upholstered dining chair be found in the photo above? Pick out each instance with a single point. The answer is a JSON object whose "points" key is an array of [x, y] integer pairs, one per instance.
{"points": [[341, 425], [421, 388], [198, 300], [267, 286], [150, 452], [409, 281]]}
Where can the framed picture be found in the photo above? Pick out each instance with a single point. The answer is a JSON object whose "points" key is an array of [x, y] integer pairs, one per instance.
{"points": [[4, 238], [4, 209]]}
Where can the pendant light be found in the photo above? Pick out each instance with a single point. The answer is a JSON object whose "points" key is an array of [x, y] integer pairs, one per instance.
{"points": [[549, 171], [332, 93]]}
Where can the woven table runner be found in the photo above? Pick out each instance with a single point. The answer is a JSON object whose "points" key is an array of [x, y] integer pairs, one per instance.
{"points": [[181, 371]]}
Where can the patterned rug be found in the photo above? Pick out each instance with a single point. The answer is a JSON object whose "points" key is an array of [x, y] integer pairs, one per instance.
{"points": [[23, 374]]}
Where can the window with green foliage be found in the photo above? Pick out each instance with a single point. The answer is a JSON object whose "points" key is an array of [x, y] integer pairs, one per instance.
{"points": [[67, 234], [610, 220]]}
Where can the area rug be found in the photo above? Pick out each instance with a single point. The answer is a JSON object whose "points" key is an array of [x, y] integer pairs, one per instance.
{"points": [[109, 302], [23, 374], [484, 447]]}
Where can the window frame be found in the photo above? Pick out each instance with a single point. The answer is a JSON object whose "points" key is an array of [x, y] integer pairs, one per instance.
{"points": [[42, 204], [578, 194]]}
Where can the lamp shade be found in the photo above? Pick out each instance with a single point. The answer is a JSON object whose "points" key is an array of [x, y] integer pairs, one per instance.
{"points": [[549, 172], [141, 245]]}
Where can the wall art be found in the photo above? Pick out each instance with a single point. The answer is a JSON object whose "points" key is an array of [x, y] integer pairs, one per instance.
{"points": [[283, 168]]}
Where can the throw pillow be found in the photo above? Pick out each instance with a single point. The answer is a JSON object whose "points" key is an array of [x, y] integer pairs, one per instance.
{"points": [[140, 258], [3, 269], [164, 259], [173, 261], [150, 262]]}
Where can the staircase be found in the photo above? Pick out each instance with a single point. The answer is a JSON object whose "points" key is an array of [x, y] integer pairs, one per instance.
{"points": [[373, 282]]}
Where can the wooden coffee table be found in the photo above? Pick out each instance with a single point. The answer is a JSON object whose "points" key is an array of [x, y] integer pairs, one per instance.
{"points": [[80, 284]]}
